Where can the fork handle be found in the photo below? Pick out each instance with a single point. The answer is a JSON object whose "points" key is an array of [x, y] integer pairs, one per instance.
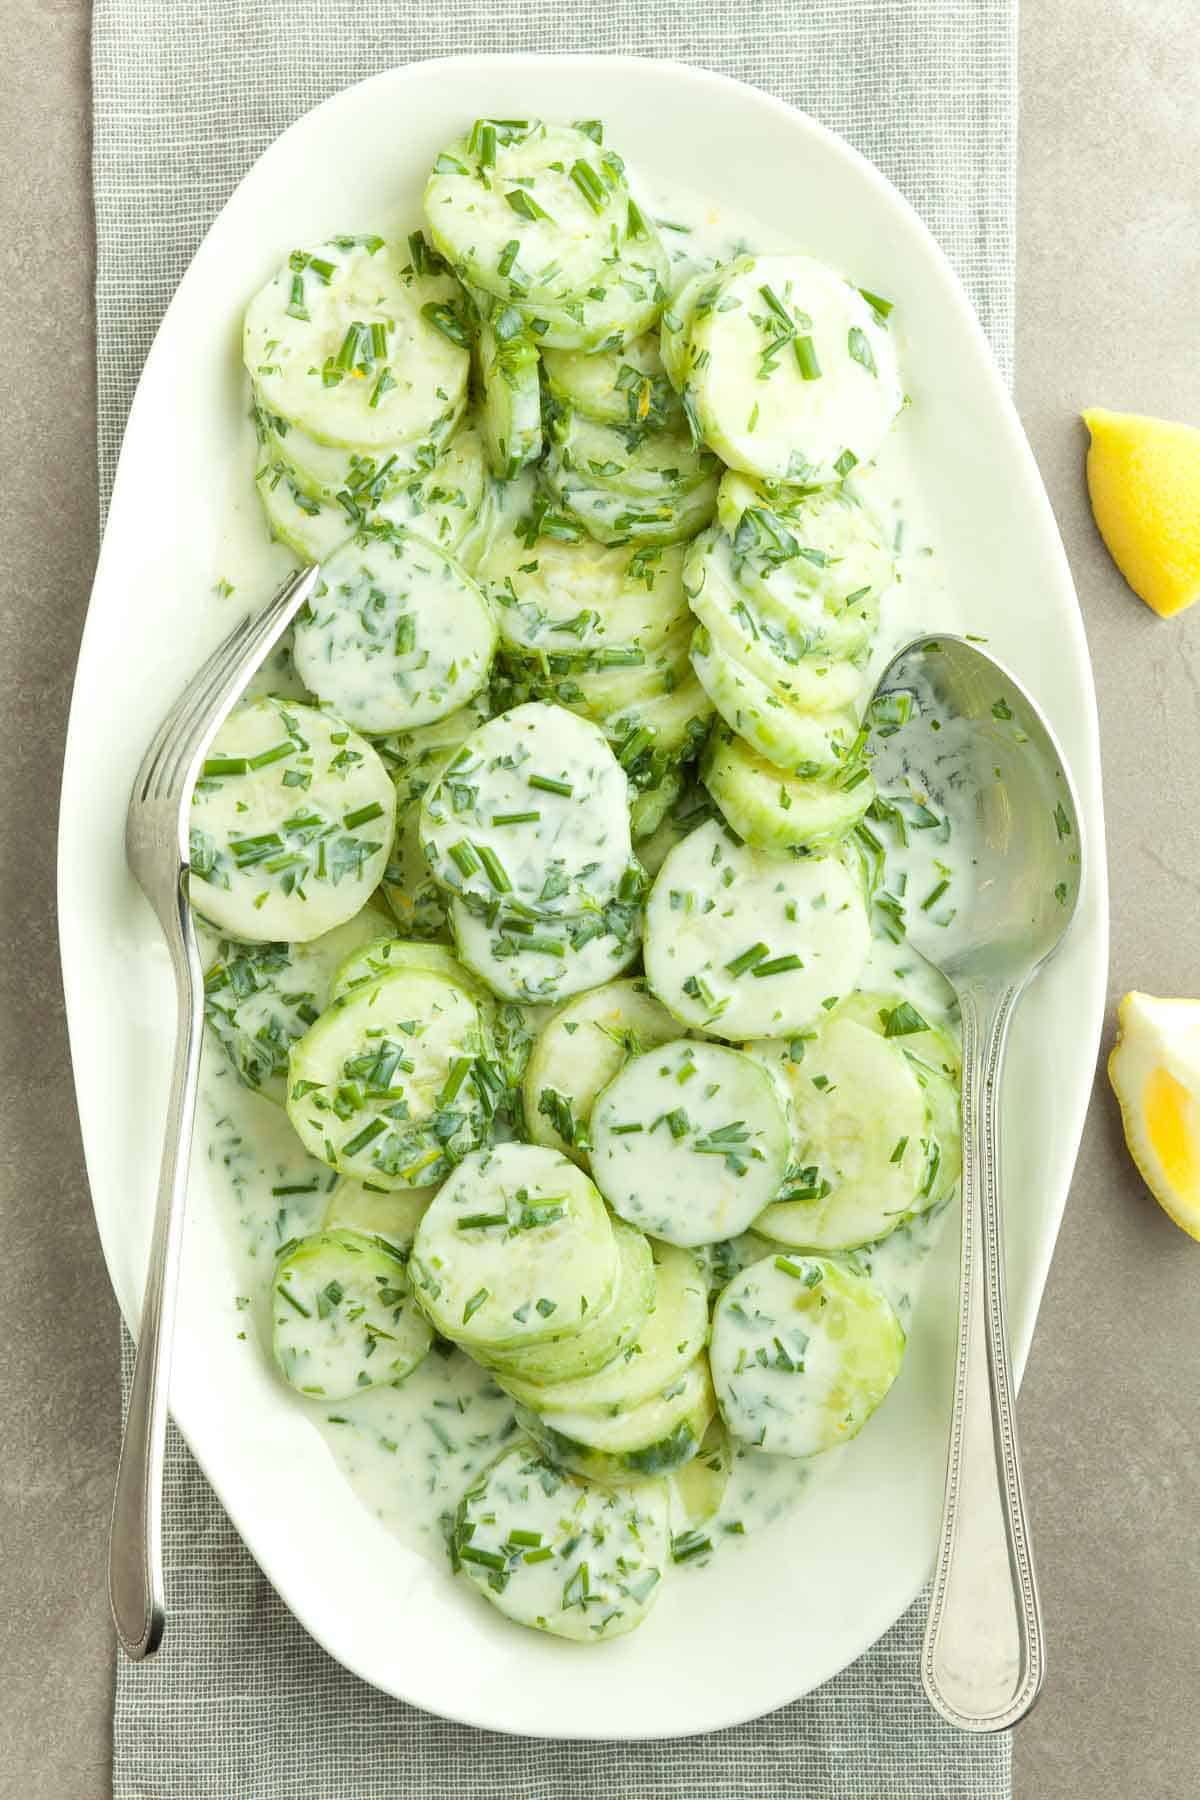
{"points": [[135, 1573], [984, 1656]]}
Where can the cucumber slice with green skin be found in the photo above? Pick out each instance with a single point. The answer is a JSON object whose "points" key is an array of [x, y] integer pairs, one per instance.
{"points": [[561, 957], [933, 1056], [343, 1316], [616, 387], [816, 562], [803, 1351], [631, 461], [416, 901], [691, 809], [652, 804], [792, 376], [504, 507], [865, 1155], [527, 213], [574, 601], [516, 1249], [531, 814], [384, 955], [805, 744], [671, 1338], [719, 1263], [511, 418], [740, 628], [651, 734], [353, 1206], [777, 811], [795, 931], [816, 609], [393, 1084], [689, 1142], [366, 475], [633, 676], [578, 1052], [439, 504], [612, 517], [291, 825], [554, 1554], [396, 635], [260, 998], [605, 1335], [620, 308], [345, 343], [699, 1487], [641, 1444], [695, 298]]}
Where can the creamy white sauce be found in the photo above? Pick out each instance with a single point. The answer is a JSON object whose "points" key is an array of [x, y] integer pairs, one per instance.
{"points": [[409, 1452]]}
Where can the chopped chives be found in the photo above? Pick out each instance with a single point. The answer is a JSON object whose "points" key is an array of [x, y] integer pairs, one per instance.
{"points": [[876, 303], [494, 868], [806, 356], [747, 959], [778, 965], [625, 1130], [525, 206], [296, 308], [362, 815], [516, 818], [589, 185], [549, 785], [366, 1136], [934, 895], [276, 753], [465, 858], [225, 765], [473, 1305], [459, 1070]]}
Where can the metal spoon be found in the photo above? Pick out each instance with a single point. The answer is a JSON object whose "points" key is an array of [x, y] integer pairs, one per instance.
{"points": [[953, 729]]}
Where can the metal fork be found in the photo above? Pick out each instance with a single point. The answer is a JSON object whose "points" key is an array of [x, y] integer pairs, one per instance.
{"points": [[157, 848]]}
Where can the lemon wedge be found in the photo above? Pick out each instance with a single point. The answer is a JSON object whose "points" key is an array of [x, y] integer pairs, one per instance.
{"points": [[1144, 481], [1155, 1072]]}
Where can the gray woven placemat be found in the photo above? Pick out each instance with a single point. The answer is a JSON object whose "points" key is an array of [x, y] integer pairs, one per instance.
{"points": [[241, 1704]]}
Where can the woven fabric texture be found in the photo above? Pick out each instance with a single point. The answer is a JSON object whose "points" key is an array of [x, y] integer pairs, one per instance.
{"points": [[240, 1704]]}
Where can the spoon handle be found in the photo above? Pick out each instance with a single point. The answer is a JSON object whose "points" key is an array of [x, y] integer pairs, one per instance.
{"points": [[983, 1659]]}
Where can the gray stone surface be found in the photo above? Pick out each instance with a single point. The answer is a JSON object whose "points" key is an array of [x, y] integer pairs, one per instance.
{"points": [[1111, 1409]]}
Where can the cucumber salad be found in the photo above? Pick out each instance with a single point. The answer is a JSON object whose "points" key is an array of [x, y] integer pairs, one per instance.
{"points": [[582, 1109]]}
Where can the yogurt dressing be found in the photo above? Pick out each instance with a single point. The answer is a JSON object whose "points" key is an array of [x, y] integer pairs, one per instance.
{"points": [[409, 1452]]}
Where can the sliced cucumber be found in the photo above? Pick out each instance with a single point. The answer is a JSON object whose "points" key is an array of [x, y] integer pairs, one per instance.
{"points": [[365, 476], [691, 809], [392, 1085], [527, 212], [933, 1056], [621, 307], [634, 461], [441, 503], [671, 1338], [865, 1155], [641, 1444], [560, 957], [792, 375], [356, 346], [699, 1487], [507, 360], [745, 943], [605, 1335], [695, 298], [579, 1051], [516, 1249], [777, 811], [671, 725], [616, 387], [803, 1351], [504, 507], [554, 1554], [384, 955], [313, 529], [292, 822], [800, 606], [397, 634], [353, 1206], [816, 562], [740, 628], [621, 679], [576, 601], [612, 517], [260, 998], [343, 1315], [689, 1142], [807, 744], [531, 814]]}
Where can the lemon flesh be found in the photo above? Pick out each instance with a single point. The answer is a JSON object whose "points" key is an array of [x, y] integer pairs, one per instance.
{"points": [[1155, 1073], [1144, 481]]}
